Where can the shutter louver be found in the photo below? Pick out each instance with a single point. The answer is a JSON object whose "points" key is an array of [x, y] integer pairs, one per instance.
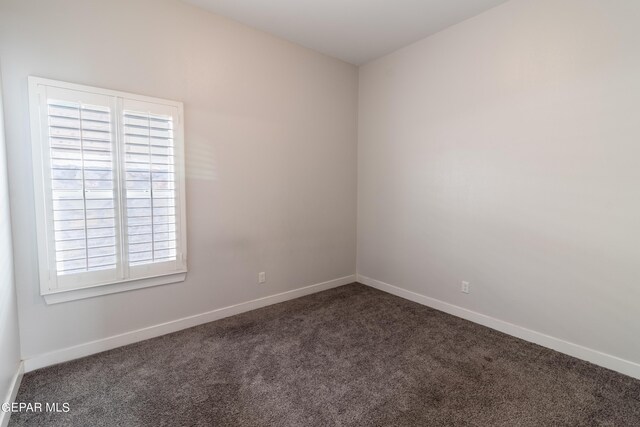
{"points": [[82, 186], [150, 187]]}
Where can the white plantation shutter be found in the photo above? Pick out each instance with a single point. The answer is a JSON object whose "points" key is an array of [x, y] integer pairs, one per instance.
{"points": [[150, 183], [81, 150], [109, 171], [80, 146]]}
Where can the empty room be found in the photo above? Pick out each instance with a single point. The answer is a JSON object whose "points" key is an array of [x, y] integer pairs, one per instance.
{"points": [[319, 213]]}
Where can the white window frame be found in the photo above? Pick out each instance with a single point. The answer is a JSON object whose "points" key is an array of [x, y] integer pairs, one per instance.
{"points": [[139, 277]]}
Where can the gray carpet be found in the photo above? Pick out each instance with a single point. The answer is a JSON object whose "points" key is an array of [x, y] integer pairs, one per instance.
{"points": [[350, 356]]}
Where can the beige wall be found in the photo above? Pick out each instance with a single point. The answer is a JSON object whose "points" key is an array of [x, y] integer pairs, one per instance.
{"points": [[505, 151], [270, 145], [9, 341]]}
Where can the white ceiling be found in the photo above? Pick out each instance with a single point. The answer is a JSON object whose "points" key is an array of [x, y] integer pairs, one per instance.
{"points": [[355, 31]]}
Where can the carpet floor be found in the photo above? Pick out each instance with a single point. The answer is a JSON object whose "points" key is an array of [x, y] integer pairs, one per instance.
{"points": [[349, 356]]}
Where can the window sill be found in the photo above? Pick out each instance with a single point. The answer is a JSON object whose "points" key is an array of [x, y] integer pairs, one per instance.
{"points": [[66, 295]]}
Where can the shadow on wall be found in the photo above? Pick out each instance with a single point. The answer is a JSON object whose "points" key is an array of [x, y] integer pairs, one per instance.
{"points": [[200, 159]]}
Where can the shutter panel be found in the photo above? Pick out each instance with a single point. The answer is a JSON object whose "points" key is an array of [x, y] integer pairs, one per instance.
{"points": [[81, 160], [150, 184]]}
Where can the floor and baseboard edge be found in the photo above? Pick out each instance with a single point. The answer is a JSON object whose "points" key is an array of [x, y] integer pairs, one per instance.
{"points": [[614, 363], [11, 395], [93, 347]]}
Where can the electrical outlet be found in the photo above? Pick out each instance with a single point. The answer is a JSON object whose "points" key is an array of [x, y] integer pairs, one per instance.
{"points": [[262, 277], [466, 287]]}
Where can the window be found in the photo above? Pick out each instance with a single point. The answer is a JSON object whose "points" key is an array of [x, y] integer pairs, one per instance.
{"points": [[109, 189]]}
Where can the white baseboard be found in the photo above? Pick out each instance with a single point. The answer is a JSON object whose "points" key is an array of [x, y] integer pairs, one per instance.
{"points": [[584, 353], [93, 347], [11, 395]]}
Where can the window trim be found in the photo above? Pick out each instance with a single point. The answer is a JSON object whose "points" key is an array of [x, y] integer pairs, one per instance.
{"points": [[43, 217]]}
